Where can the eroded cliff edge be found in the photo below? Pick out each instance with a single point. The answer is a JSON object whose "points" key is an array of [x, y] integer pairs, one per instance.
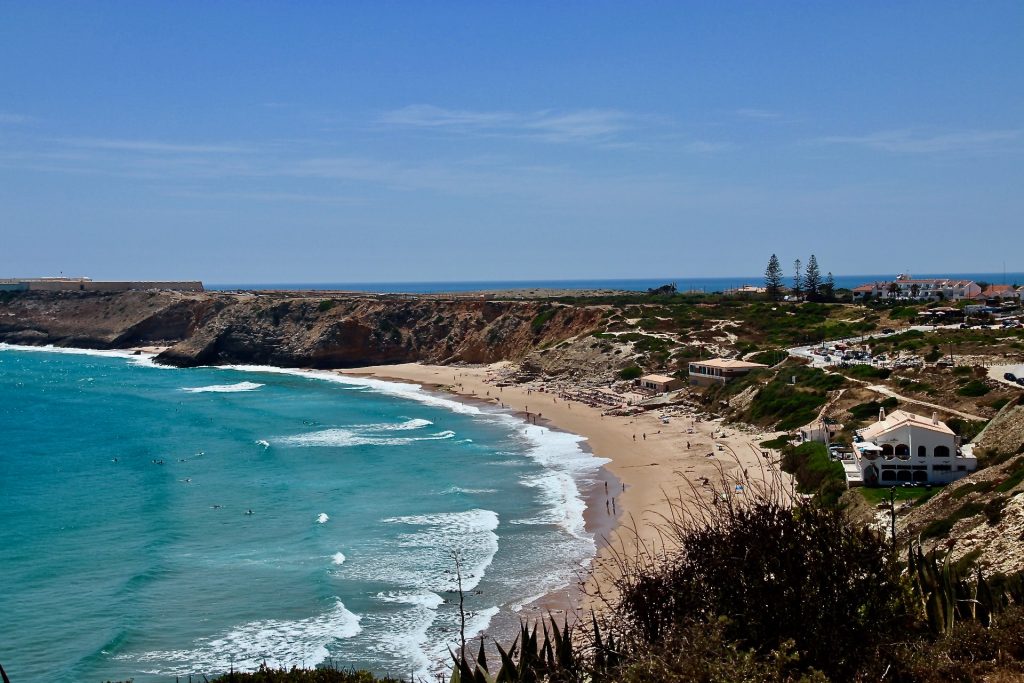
{"points": [[292, 329]]}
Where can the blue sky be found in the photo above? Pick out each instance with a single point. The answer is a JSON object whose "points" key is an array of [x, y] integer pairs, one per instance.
{"points": [[383, 141]]}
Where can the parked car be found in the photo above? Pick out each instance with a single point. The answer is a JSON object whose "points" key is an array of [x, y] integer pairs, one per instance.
{"points": [[888, 330], [1010, 376], [1020, 381]]}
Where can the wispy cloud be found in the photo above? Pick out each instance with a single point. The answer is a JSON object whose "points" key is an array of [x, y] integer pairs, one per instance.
{"points": [[584, 125], [916, 142], [763, 114], [10, 118], [153, 146]]}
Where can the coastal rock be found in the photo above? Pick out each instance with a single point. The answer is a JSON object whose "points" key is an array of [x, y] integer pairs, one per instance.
{"points": [[293, 329]]}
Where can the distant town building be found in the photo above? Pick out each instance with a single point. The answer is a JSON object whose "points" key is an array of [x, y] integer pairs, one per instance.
{"points": [[661, 383], [929, 289], [746, 290], [999, 293], [719, 370], [85, 284], [909, 448], [820, 431]]}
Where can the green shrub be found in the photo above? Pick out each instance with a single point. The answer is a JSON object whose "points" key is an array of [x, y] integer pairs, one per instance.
{"points": [[998, 403], [326, 305], [864, 411], [631, 372], [974, 388], [815, 472], [541, 319], [965, 429], [868, 372], [776, 443], [943, 525]]}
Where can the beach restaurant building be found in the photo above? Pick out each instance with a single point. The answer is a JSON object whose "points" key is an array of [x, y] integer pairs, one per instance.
{"points": [[719, 370], [909, 448], [661, 383]]}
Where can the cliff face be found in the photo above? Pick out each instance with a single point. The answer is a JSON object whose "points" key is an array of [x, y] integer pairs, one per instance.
{"points": [[287, 330]]}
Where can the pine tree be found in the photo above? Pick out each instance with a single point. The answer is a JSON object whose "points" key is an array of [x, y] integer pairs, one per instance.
{"points": [[812, 279], [798, 278], [773, 279], [828, 290]]}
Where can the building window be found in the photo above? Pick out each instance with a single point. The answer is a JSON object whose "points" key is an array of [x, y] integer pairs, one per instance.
{"points": [[922, 451], [940, 468], [941, 451], [887, 449], [888, 476], [903, 450]]}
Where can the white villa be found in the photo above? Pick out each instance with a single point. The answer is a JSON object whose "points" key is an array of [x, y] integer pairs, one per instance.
{"points": [[905, 447], [928, 289]]}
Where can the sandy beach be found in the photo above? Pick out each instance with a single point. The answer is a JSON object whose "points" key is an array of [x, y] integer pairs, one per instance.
{"points": [[654, 461]]}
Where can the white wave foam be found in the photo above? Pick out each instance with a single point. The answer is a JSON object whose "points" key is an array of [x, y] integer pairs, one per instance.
{"points": [[423, 559], [420, 634], [264, 443], [322, 518], [413, 392], [340, 438], [460, 489], [280, 643], [142, 358], [415, 423], [224, 388], [427, 599], [338, 558]]}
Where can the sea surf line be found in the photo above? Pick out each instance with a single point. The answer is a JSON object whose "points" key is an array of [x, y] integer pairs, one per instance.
{"points": [[417, 593]]}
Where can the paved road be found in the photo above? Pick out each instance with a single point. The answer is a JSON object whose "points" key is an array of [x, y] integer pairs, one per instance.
{"points": [[996, 373]]}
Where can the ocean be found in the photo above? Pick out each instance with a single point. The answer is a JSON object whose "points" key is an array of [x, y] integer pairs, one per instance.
{"points": [[699, 284], [159, 522]]}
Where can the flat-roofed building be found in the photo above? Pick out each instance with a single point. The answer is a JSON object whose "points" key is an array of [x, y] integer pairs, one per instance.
{"points": [[661, 383], [85, 284], [928, 289], [909, 448], [719, 370]]}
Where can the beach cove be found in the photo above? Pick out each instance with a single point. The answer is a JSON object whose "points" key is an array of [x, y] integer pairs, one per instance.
{"points": [[654, 466]]}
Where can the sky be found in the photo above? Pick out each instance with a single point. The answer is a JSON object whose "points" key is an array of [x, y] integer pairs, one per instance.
{"points": [[437, 141]]}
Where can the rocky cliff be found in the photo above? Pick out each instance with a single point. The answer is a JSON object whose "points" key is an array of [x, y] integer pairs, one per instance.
{"points": [[307, 330]]}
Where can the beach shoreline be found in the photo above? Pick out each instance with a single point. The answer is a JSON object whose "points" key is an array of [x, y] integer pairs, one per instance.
{"points": [[656, 461]]}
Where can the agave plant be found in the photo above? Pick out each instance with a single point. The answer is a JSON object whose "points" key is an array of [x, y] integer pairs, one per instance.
{"points": [[947, 598], [531, 657]]}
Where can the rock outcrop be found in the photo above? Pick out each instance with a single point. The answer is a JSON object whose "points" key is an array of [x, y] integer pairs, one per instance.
{"points": [[297, 330]]}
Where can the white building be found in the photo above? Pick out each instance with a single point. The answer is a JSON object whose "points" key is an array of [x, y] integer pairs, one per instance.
{"points": [[930, 289], [905, 447]]}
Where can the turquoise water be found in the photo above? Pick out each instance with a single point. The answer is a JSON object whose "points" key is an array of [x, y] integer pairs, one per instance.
{"points": [[128, 547]]}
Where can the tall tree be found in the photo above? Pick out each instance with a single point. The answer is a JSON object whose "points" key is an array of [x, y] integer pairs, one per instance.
{"points": [[798, 278], [828, 289], [773, 279], [812, 279]]}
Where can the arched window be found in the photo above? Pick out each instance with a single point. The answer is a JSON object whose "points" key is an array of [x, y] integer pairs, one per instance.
{"points": [[942, 451], [922, 451], [888, 475], [903, 475], [887, 449], [920, 476], [903, 449]]}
